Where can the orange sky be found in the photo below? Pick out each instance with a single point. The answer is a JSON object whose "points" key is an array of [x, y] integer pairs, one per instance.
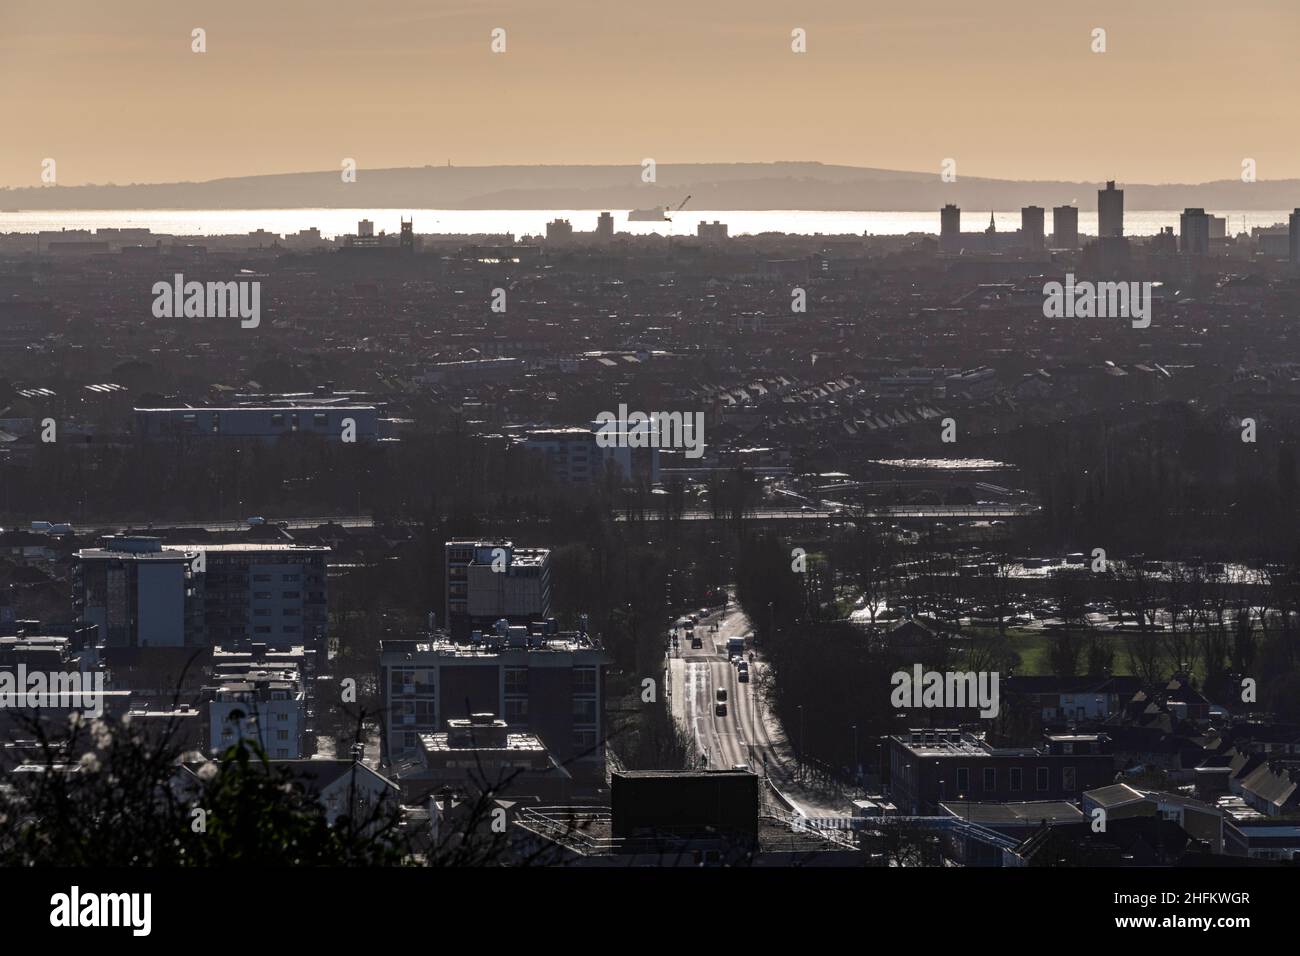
{"points": [[1009, 88]]}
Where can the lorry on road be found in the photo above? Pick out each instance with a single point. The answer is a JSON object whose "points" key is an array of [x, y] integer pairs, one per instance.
{"points": [[735, 648]]}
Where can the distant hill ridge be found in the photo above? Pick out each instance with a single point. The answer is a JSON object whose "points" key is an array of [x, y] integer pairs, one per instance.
{"points": [[721, 186]]}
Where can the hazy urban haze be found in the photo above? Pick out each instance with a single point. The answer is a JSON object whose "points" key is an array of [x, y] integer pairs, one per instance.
{"points": [[115, 94]]}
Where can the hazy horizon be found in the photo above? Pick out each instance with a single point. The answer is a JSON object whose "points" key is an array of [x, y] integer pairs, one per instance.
{"points": [[1183, 93], [1090, 182]]}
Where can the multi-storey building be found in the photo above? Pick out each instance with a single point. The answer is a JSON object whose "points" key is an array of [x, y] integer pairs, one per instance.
{"points": [[269, 593], [604, 227], [1031, 227], [572, 454], [1065, 227], [266, 706], [359, 423], [575, 457], [933, 766], [1110, 212], [715, 231], [1194, 232], [490, 580], [950, 228], [139, 593], [549, 684], [142, 594]]}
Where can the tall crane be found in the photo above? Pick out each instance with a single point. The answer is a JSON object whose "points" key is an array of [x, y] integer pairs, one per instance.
{"points": [[679, 206]]}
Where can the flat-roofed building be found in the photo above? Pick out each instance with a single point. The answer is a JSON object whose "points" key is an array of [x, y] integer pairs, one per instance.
{"points": [[144, 594], [262, 705], [271, 593], [1031, 227], [575, 457], [1065, 227], [490, 580], [481, 754], [1194, 232], [1110, 212], [933, 766], [547, 684], [264, 423], [139, 593]]}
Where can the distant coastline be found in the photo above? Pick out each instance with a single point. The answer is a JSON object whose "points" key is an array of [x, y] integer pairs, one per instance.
{"points": [[711, 186]]}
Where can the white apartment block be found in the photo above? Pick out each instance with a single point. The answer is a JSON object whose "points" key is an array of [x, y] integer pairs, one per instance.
{"points": [[262, 705]]}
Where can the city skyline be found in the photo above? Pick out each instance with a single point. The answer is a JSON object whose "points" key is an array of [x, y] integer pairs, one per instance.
{"points": [[860, 438]]}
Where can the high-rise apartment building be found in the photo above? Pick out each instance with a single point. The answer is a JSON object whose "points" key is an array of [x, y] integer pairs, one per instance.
{"points": [[1065, 227], [1194, 232], [271, 593], [1110, 212], [1031, 227], [950, 228], [604, 227]]}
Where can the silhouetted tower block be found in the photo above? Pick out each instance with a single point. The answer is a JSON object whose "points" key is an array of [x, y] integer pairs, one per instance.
{"points": [[1110, 212], [1194, 232], [950, 228], [1065, 227], [1031, 227]]}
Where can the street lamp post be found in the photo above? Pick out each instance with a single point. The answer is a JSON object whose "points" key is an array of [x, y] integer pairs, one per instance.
{"points": [[855, 751], [802, 775]]}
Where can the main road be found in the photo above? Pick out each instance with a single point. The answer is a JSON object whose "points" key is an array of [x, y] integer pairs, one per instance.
{"points": [[748, 734]]}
